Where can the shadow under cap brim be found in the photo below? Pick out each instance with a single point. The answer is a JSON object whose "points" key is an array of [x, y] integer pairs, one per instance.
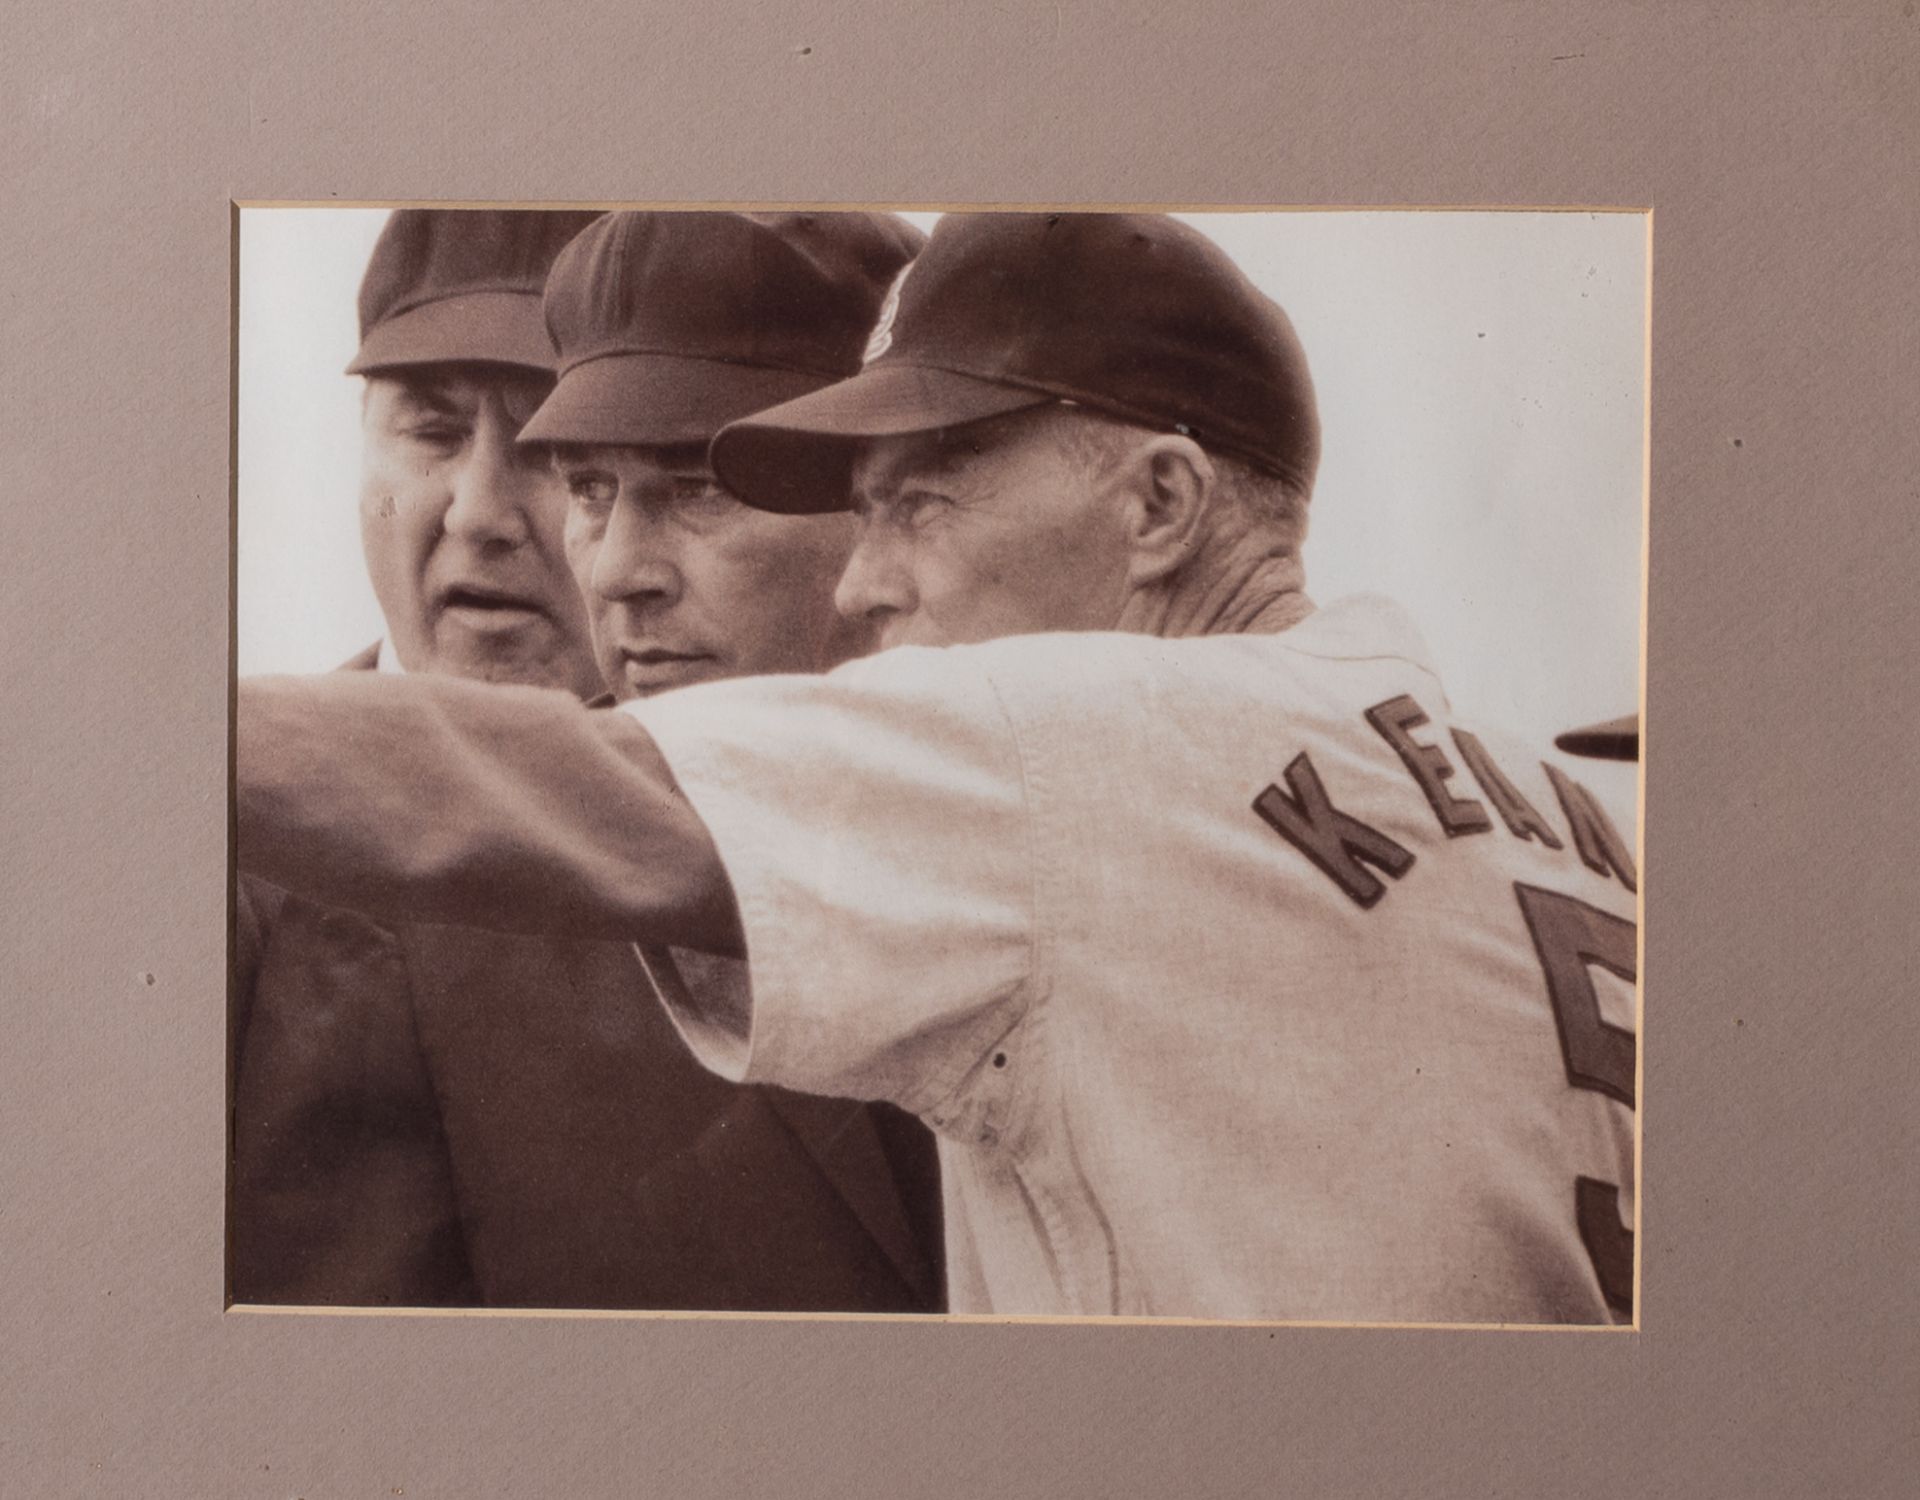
{"points": [[493, 328], [798, 458], [1617, 739], [659, 400]]}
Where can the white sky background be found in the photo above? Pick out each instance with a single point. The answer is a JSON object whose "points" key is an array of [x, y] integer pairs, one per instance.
{"points": [[1482, 388]]}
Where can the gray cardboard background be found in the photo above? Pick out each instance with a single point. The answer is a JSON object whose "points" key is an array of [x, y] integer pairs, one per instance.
{"points": [[1776, 144]]}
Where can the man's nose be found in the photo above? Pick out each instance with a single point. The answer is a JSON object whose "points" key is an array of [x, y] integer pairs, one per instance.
{"points": [[635, 556], [874, 586], [494, 490]]}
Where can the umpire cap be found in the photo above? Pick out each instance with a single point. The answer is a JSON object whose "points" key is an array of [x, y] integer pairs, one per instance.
{"points": [[1134, 315], [460, 286], [670, 325]]}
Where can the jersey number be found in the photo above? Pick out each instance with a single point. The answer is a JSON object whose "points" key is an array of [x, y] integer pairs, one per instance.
{"points": [[1570, 936]]}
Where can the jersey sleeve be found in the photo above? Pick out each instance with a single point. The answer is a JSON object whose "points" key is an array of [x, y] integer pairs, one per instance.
{"points": [[874, 826], [435, 799]]}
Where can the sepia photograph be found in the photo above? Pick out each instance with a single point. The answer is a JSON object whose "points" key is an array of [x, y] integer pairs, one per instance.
{"points": [[1043, 763], [917, 751]]}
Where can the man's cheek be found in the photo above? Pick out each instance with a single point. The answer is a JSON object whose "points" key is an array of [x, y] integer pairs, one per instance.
{"points": [[381, 491], [970, 582], [581, 548], [379, 507], [553, 522], [603, 631]]}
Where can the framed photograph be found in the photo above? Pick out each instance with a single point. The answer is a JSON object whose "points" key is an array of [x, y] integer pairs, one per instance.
{"points": [[1415, 437], [1608, 320]]}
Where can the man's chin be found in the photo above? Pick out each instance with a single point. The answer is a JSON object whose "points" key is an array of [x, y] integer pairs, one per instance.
{"points": [[541, 670]]}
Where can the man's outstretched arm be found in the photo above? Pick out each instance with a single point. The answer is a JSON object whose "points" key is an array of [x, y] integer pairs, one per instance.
{"points": [[436, 800]]}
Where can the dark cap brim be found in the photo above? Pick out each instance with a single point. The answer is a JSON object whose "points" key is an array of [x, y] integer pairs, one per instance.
{"points": [[492, 328], [658, 400], [1617, 739], [798, 458]]}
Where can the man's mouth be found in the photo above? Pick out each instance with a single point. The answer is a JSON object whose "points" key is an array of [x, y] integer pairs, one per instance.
{"points": [[481, 607], [655, 667]]}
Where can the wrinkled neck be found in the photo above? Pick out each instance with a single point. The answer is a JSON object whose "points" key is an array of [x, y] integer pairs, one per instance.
{"points": [[1248, 590]]}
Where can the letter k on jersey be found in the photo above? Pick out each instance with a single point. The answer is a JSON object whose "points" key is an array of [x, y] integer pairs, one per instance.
{"points": [[1341, 846]]}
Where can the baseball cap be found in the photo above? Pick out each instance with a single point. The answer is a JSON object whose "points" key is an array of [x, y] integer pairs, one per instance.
{"points": [[670, 325], [1134, 315], [456, 285], [1617, 739]]}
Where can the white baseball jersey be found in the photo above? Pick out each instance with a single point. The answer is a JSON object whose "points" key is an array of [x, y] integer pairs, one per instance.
{"points": [[1237, 979]]}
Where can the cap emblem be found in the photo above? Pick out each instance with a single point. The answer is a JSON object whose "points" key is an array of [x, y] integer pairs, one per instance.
{"points": [[881, 338]]}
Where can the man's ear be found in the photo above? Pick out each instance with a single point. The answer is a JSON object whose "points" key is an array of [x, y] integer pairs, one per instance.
{"points": [[1171, 481]]}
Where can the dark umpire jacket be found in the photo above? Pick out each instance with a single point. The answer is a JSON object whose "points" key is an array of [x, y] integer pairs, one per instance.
{"points": [[440, 1116]]}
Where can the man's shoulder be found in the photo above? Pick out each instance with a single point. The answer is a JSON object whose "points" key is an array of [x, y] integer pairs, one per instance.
{"points": [[276, 919], [1359, 627], [367, 660], [1096, 668]]}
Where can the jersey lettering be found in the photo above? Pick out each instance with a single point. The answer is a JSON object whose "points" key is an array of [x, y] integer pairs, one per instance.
{"points": [[1570, 936], [1596, 1207], [1340, 846], [1396, 719], [1522, 818], [1599, 842]]}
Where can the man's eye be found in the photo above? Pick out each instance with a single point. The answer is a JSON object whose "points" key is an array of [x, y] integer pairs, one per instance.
{"points": [[918, 507], [439, 435], [700, 492], [594, 492]]}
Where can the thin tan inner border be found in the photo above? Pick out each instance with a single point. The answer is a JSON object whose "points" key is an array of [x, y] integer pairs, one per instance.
{"points": [[1117, 1320], [1640, 796], [1011, 1319], [902, 206]]}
